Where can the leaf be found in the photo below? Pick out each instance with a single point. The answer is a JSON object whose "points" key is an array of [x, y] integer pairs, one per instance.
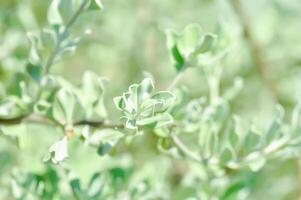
{"points": [[274, 130], [96, 5], [34, 57], [59, 151], [166, 100], [95, 187], [251, 141], [9, 135], [48, 38], [76, 189], [91, 96], [53, 15], [141, 107], [66, 108], [35, 71], [157, 121], [189, 38], [147, 86], [119, 103], [233, 190], [180, 61], [65, 9], [296, 116], [207, 43], [226, 156], [255, 161], [103, 149], [162, 132]]}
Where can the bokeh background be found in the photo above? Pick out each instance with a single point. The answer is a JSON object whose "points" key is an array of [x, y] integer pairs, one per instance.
{"points": [[128, 38]]}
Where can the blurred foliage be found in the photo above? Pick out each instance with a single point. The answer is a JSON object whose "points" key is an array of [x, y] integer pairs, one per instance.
{"points": [[195, 99]]}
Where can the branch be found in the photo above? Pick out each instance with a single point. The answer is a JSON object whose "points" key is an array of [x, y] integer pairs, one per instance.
{"points": [[13, 121], [175, 80], [257, 53], [192, 155], [36, 119], [61, 36]]}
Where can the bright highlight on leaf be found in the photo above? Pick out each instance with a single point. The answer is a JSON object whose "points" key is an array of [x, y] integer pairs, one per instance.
{"points": [[59, 151]]}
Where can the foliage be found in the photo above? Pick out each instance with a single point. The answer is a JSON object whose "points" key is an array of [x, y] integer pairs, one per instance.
{"points": [[195, 137]]}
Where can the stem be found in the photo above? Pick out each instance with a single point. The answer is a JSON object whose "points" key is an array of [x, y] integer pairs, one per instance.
{"points": [[185, 149], [62, 35], [213, 82], [35, 119], [256, 51], [175, 81]]}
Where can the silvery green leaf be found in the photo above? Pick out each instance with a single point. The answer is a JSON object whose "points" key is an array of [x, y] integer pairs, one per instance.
{"points": [[189, 38], [119, 103], [226, 155], [166, 100], [162, 132], [147, 86], [158, 121], [66, 107], [96, 185], [93, 85], [48, 38], [274, 130], [140, 106], [42, 107], [251, 141], [276, 145], [206, 44], [256, 161], [11, 107], [63, 106], [59, 151], [171, 39], [9, 134], [53, 14], [34, 57], [131, 124], [95, 5], [65, 9], [296, 116], [148, 107], [91, 95]]}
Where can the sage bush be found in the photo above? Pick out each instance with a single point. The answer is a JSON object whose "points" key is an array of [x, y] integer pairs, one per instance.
{"points": [[150, 100]]}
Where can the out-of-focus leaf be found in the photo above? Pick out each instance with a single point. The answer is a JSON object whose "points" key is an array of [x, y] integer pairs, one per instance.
{"points": [[35, 71], [66, 108], [180, 61], [96, 5], [59, 151], [53, 14], [206, 44]]}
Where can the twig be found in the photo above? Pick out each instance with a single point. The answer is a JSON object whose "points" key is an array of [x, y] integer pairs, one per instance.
{"points": [[175, 81], [35, 119], [62, 35], [185, 149]]}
